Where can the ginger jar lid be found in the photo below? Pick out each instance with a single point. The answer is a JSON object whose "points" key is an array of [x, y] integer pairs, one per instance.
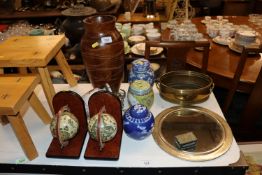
{"points": [[79, 10], [138, 111], [140, 87], [140, 65]]}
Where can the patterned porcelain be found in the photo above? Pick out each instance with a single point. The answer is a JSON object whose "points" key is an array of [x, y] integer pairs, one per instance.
{"points": [[107, 127], [141, 70], [140, 92], [64, 126], [138, 122]]}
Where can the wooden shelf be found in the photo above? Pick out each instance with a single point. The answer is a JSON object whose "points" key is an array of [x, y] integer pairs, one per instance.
{"points": [[30, 14], [139, 17]]}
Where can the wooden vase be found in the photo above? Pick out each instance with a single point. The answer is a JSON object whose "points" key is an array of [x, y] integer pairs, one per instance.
{"points": [[102, 50]]}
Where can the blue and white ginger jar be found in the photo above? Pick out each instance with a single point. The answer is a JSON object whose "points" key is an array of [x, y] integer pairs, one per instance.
{"points": [[141, 70], [138, 122]]}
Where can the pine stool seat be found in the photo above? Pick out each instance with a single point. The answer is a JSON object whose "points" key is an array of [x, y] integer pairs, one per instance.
{"points": [[36, 52], [16, 92]]}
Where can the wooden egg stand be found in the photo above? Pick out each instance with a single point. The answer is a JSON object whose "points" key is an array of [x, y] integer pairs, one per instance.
{"points": [[111, 150], [77, 107]]}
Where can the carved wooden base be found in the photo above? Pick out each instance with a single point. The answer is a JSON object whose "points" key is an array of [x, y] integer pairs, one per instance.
{"points": [[111, 148], [76, 105]]}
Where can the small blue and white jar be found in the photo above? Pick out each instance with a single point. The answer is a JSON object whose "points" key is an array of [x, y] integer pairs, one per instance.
{"points": [[141, 70], [138, 122]]}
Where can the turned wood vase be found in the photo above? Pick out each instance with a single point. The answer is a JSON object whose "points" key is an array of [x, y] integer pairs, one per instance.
{"points": [[102, 50]]}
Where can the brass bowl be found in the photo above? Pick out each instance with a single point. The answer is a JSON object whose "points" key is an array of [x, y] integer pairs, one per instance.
{"points": [[185, 87]]}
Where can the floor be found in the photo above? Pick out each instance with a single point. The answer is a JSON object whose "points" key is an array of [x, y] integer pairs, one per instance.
{"points": [[235, 111], [236, 107]]}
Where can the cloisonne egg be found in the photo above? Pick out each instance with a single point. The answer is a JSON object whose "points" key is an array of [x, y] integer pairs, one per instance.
{"points": [[64, 126], [107, 127]]}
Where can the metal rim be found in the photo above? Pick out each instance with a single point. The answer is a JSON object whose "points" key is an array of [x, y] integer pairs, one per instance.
{"points": [[189, 73], [217, 151]]}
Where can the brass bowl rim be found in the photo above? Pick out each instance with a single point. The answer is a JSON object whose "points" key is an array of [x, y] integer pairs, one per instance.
{"points": [[184, 72]]}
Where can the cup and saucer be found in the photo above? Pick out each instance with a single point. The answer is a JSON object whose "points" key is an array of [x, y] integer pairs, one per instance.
{"points": [[222, 41]]}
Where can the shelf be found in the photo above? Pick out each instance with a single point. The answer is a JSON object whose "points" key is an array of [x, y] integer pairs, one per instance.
{"points": [[30, 14], [139, 17]]}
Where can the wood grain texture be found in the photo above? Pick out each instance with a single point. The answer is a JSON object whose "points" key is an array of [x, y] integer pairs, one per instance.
{"points": [[111, 150], [47, 85], [14, 92], [181, 48], [36, 52], [76, 105], [140, 18], [39, 109], [65, 68], [234, 84], [23, 136], [223, 61], [30, 51]]}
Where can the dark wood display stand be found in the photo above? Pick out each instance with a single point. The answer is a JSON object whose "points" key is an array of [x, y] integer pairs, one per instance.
{"points": [[77, 107], [111, 148]]}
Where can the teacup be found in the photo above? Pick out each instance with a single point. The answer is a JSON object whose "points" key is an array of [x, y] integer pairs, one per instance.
{"points": [[219, 18], [198, 36], [224, 33], [207, 18], [137, 30], [153, 36], [212, 31], [153, 30], [127, 16]]}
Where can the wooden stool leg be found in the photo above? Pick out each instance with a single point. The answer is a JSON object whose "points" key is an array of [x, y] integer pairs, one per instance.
{"points": [[33, 70], [65, 68], [39, 109], [22, 70], [47, 85], [1, 70], [4, 120], [23, 136]]}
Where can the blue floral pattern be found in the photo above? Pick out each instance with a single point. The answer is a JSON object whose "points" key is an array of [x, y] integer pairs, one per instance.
{"points": [[138, 122], [141, 70]]}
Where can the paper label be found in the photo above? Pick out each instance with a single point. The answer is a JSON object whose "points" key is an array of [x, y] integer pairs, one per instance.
{"points": [[107, 39], [21, 160], [146, 163]]}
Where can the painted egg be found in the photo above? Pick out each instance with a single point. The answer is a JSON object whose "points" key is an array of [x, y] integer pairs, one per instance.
{"points": [[106, 126], [64, 127]]}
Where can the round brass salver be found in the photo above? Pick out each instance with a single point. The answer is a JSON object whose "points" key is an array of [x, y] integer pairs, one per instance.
{"points": [[213, 135]]}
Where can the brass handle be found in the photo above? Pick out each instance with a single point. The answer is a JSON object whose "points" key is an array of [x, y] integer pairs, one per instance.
{"points": [[212, 87], [157, 84]]}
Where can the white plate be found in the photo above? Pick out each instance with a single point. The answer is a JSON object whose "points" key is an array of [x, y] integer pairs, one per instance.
{"points": [[203, 21], [232, 47], [221, 41], [238, 50], [137, 38], [135, 51]]}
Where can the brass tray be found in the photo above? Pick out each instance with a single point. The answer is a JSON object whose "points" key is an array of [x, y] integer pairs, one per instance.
{"points": [[214, 136]]}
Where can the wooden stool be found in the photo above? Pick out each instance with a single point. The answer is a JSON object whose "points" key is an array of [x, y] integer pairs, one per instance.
{"points": [[37, 52], [15, 92]]}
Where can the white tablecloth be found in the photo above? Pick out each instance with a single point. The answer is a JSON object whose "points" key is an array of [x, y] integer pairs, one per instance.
{"points": [[144, 153]]}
